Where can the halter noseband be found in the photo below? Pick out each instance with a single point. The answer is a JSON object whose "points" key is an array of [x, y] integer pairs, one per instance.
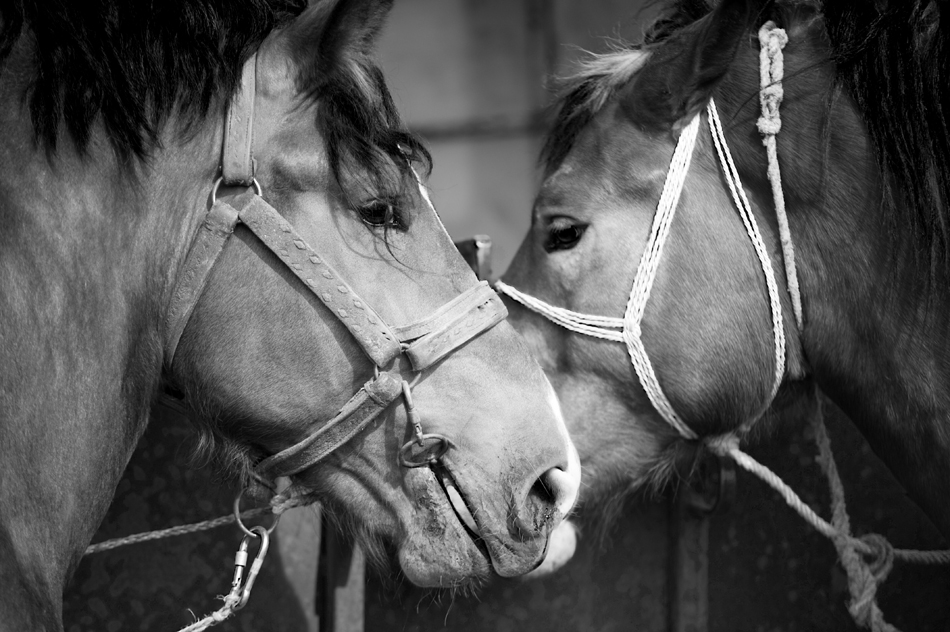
{"points": [[423, 343], [628, 328]]}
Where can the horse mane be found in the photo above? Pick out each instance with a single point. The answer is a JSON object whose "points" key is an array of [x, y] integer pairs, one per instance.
{"points": [[106, 61], [583, 94], [891, 57]]}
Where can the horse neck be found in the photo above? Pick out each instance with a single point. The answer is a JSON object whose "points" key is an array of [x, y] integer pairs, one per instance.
{"points": [[877, 347], [875, 343], [87, 261]]}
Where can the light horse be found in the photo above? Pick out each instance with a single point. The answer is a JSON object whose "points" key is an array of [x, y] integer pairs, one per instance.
{"points": [[864, 151], [117, 278]]}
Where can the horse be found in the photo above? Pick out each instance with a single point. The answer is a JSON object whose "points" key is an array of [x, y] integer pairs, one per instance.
{"points": [[864, 155], [138, 255]]}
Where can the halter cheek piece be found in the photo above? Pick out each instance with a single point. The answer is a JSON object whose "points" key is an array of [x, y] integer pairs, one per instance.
{"points": [[424, 343]]}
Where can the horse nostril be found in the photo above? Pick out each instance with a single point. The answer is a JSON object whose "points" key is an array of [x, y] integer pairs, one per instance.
{"points": [[543, 491], [550, 498], [559, 487]]}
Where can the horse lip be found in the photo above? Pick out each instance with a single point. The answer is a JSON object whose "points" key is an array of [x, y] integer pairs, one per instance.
{"points": [[458, 503]]}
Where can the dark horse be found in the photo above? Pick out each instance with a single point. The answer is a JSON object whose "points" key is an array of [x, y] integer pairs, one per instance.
{"points": [[112, 117], [864, 149]]}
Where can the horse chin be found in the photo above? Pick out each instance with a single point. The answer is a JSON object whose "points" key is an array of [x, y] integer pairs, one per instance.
{"points": [[561, 548], [445, 550]]}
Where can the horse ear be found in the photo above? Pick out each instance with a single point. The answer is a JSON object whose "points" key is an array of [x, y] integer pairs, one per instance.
{"points": [[332, 33], [678, 82]]}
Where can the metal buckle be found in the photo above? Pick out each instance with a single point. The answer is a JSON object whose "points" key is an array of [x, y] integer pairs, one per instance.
{"points": [[217, 185]]}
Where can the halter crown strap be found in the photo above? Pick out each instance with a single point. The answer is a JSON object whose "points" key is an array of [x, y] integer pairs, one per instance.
{"points": [[237, 161]]}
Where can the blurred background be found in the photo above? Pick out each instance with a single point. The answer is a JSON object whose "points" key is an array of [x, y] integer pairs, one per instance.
{"points": [[470, 77]]}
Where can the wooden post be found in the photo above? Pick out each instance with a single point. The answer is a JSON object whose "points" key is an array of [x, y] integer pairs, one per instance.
{"points": [[691, 507], [341, 583], [477, 253], [298, 542]]}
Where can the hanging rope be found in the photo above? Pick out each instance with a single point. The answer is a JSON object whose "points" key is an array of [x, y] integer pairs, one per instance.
{"points": [[863, 575], [771, 72], [868, 559], [240, 588]]}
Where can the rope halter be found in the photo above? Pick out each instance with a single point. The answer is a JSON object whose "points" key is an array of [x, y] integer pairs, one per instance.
{"points": [[867, 559], [628, 329]]}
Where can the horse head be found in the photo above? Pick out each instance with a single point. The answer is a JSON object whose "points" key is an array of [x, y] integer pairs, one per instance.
{"points": [[318, 320], [260, 352], [705, 332], [706, 325]]}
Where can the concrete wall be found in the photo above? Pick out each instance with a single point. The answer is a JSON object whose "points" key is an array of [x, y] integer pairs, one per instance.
{"points": [[470, 78]]}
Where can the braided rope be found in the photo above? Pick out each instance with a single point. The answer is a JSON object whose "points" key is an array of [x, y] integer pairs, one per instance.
{"points": [[728, 445], [587, 324], [232, 601], [231, 605], [604, 327], [752, 228], [646, 275], [771, 72], [862, 580], [278, 505], [185, 529]]}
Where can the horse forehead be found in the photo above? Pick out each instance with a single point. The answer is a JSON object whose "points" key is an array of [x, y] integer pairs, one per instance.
{"points": [[296, 149], [576, 175], [563, 171]]}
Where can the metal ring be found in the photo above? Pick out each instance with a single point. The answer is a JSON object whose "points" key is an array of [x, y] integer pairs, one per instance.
{"points": [[434, 446], [240, 523], [217, 184]]}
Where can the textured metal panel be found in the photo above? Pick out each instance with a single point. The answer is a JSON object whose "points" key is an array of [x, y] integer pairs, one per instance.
{"points": [[156, 586]]}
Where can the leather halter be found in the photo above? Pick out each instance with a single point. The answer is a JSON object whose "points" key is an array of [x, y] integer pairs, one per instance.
{"points": [[424, 343]]}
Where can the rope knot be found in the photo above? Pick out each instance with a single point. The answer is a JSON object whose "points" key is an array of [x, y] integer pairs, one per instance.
{"points": [[283, 501], [769, 126], [723, 445], [866, 570], [772, 37], [880, 560], [771, 70]]}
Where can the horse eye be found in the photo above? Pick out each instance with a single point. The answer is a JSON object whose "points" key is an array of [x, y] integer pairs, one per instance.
{"points": [[564, 237], [379, 213]]}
